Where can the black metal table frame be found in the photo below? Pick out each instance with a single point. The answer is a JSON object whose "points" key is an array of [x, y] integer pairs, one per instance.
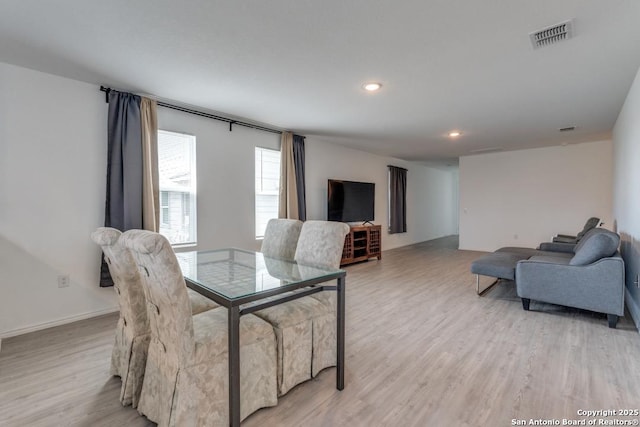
{"points": [[235, 311]]}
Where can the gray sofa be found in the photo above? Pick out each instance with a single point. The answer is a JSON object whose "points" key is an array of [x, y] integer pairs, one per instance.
{"points": [[591, 279], [587, 275]]}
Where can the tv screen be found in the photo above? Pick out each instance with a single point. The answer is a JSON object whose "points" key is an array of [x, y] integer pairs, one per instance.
{"points": [[350, 201]]}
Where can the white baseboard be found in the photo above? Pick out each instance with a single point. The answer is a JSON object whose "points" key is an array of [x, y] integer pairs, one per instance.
{"points": [[59, 322], [634, 309]]}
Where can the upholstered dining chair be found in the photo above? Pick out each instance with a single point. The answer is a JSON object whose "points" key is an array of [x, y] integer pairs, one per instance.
{"points": [[294, 321], [186, 375], [129, 353], [291, 321], [281, 238], [320, 245]]}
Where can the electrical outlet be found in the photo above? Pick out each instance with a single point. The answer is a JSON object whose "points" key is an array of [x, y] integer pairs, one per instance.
{"points": [[64, 281]]}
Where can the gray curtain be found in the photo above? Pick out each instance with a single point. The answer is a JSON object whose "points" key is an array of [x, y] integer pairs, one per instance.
{"points": [[397, 200], [298, 161], [123, 206]]}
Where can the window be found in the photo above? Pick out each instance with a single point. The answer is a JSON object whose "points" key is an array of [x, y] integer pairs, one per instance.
{"points": [[177, 174], [164, 208], [267, 187]]}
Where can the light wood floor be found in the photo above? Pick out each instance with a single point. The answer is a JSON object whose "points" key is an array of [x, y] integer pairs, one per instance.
{"points": [[422, 350]]}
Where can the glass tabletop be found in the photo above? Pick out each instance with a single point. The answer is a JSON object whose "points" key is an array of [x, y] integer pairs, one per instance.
{"points": [[235, 273]]}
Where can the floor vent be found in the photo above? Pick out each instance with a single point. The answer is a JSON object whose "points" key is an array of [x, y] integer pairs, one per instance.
{"points": [[552, 35]]}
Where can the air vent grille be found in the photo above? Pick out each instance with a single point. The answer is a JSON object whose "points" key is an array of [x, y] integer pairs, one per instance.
{"points": [[485, 150], [551, 35], [567, 129]]}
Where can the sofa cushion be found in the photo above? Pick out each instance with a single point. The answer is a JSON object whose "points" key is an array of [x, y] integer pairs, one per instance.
{"points": [[524, 252], [551, 254], [588, 234], [557, 247], [595, 246], [549, 259], [497, 264]]}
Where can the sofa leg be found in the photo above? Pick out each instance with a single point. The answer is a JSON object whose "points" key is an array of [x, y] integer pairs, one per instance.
{"points": [[525, 303], [478, 291], [613, 320]]}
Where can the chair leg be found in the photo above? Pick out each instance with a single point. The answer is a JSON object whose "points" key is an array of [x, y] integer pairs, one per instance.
{"points": [[525, 303], [613, 320]]}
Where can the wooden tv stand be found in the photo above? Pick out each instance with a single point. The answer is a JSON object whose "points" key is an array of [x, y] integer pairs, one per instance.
{"points": [[362, 242]]}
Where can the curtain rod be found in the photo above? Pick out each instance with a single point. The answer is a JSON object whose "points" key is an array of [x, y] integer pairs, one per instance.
{"points": [[207, 115]]}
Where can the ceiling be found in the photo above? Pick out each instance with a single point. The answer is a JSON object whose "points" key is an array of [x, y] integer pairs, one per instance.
{"points": [[300, 65]]}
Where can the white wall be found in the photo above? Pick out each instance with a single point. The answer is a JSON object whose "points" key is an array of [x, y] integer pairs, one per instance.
{"points": [[626, 192], [430, 205], [52, 183], [225, 166], [522, 198], [456, 200], [225, 173], [53, 154]]}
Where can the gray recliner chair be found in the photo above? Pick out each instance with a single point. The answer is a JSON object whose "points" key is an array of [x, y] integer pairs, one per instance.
{"points": [[593, 279], [589, 225]]}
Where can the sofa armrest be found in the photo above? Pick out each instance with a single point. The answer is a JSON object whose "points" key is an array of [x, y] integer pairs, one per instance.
{"points": [[557, 247], [597, 287]]}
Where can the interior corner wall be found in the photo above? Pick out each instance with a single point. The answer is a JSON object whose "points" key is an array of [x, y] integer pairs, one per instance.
{"points": [[626, 193], [522, 198], [52, 182], [430, 191]]}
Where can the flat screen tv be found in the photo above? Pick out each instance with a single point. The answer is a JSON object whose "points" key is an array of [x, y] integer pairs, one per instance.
{"points": [[350, 201]]}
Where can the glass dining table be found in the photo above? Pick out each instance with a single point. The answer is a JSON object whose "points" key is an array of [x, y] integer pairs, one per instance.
{"points": [[235, 277]]}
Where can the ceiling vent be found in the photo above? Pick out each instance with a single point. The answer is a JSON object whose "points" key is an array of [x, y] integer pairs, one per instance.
{"points": [[485, 150], [567, 129], [552, 35]]}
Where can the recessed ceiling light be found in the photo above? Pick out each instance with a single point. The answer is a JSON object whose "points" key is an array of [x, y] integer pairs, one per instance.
{"points": [[454, 134], [372, 87]]}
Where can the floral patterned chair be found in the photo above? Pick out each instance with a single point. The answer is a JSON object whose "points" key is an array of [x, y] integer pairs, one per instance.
{"points": [[306, 342], [186, 376], [291, 321], [320, 245], [129, 353], [281, 238]]}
